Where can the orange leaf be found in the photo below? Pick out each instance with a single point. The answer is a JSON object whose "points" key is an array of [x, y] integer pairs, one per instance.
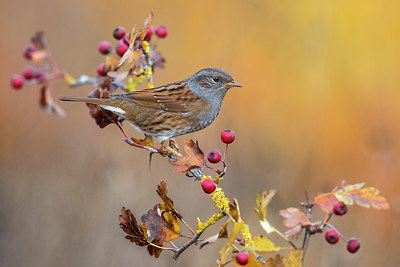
{"points": [[365, 197], [325, 201], [348, 194], [194, 159]]}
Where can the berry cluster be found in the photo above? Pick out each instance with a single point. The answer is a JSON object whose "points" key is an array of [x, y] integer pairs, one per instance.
{"points": [[214, 156], [332, 236], [123, 42], [35, 52]]}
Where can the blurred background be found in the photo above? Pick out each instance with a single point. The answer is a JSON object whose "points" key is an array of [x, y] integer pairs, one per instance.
{"points": [[320, 104]]}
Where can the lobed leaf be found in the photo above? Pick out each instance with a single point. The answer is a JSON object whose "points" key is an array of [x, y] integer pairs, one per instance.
{"points": [[194, 159], [129, 225]]}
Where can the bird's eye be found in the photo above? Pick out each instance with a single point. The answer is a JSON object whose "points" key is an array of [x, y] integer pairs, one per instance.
{"points": [[215, 79]]}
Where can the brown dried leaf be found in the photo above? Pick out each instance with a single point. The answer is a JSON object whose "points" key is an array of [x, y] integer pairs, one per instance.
{"points": [[130, 227], [158, 228], [194, 159], [39, 41], [162, 190], [101, 116], [47, 102], [153, 251]]}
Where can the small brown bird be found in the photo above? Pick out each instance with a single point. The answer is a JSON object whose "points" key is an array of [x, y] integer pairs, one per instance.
{"points": [[173, 109]]}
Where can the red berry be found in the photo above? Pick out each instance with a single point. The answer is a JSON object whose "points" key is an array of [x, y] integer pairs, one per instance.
{"points": [[161, 31], [119, 33], [29, 49], [40, 75], [105, 47], [149, 33], [127, 38], [208, 186], [101, 70], [28, 72], [353, 245], [242, 258], [332, 236], [214, 156], [121, 48], [340, 208], [17, 81], [228, 136]]}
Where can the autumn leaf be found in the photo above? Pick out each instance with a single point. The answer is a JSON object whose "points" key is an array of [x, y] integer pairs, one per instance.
{"points": [[143, 30], [254, 261], [47, 102], [263, 245], [294, 259], [350, 194], [364, 197], [129, 225], [111, 62], [262, 203], [223, 233], [101, 116], [296, 220], [228, 248], [154, 251], [158, 228], [168, 205], [234, 210], [193, 160], [276, 261]]}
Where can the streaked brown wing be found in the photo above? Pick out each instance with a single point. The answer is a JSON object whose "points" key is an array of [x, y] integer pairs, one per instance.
{"points": [[174, 97]]}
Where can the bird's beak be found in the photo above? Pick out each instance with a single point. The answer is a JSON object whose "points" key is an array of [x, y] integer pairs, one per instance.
{"points": [[234, 84]]}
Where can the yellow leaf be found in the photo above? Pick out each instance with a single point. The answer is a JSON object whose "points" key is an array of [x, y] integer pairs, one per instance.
{"points": [[227, 249], [69, 79], [263, 245], [294, 259], [262, 203], [172, 220]]}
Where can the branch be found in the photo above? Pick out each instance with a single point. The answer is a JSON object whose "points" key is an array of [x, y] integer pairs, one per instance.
{"points": [[185, 246]]}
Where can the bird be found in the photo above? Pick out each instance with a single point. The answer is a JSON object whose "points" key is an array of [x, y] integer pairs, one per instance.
{"points": [[173, 109]]}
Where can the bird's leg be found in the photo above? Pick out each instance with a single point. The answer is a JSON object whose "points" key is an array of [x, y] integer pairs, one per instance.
{"points": [[173, 144], [166, 144], [127, 139]]}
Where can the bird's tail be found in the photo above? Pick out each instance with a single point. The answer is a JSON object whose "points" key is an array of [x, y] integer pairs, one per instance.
{"points": [[98, 101]]}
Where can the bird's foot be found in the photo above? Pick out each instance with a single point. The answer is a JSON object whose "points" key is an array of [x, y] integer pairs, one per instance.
{"points": [[167, 145]]}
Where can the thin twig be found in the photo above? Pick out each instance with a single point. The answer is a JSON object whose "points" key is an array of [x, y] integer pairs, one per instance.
{"points": [[185, 246]]}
